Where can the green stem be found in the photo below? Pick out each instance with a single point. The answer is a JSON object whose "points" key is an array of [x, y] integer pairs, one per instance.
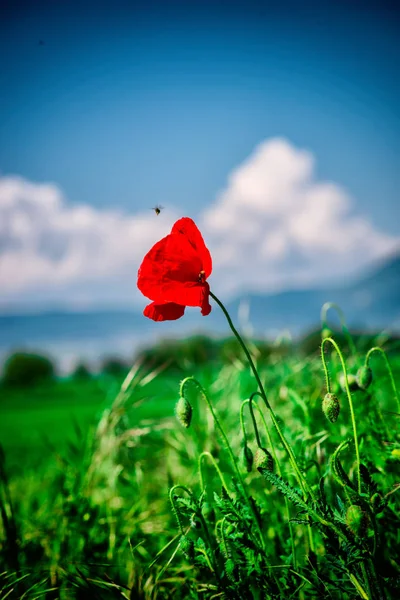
{"points": [[328, 387], [200, 462], [241, 417], [389, 369], [192, 380], [324, 311], [174, 508], [265, 399]]}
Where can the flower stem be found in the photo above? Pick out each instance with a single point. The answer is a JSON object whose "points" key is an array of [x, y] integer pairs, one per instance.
{"points": [[210, 456], [328, 387], [193, 381], [304, 485], [389, 369], [346, 332]]}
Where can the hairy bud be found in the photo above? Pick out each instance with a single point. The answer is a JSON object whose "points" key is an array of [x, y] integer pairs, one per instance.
{"points": [[263, 460], [183, 411], [356, 519], [331, 407], [187, 547], [364, 377]]}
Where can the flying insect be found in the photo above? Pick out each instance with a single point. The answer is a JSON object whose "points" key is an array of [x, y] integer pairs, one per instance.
{"points": [[157, 209]]}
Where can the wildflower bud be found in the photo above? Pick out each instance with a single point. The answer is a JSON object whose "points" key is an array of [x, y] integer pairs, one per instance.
{"points": [[356, 519], [331, 407], [263, 460], [351, 380], [195, 523], [364, 377], [187, 547], [183, 411], [377, 503], [208, 511], [247, 458]]}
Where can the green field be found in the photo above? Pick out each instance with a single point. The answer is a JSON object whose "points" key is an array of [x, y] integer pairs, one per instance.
{"points": [[87, 468]]}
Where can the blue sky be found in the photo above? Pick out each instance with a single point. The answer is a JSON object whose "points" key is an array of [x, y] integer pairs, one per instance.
{"points": [[129, 104]]}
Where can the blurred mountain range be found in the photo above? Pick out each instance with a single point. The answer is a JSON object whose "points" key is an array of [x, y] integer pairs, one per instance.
{"points": [[371, 303]]}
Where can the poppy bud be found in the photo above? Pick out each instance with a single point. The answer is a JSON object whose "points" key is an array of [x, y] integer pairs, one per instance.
{"points": [[187, 547], [364, 377], [247, 458], [331, 407], [263, 460], [356, 519], [351, 380], [183, 411]]}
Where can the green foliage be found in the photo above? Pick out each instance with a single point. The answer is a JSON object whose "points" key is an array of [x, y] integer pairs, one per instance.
{"points": [[115, 367], [92, 518], [24, 370], [81, 372]]}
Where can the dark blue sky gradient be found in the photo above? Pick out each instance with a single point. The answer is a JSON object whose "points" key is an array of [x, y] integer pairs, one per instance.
{"points": [[130, 104]]}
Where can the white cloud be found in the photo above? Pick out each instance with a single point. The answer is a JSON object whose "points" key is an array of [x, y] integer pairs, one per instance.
{"points": [[273, 227], [53, 249], [276, 227]]}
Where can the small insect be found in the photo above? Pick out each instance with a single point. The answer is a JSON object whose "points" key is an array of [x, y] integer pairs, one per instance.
{"points": [[201, 276], [157, 209]]}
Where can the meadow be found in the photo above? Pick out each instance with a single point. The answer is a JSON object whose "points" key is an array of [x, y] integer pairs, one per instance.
{"points": [[180, 479]]}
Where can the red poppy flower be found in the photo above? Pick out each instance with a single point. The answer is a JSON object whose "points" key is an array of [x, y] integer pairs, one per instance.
{"points": [[173, 273]]}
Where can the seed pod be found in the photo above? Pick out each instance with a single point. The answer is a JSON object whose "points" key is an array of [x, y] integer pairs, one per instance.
{"points": [[351, 380], [263, 460], [331, 407], [356, 519], [364, 377], [247, 458], [187, 547], [183, 411]]}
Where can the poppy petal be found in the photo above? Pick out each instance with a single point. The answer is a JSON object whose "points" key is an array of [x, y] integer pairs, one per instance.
{"points": [[164, 312], [205, 305], [189, 229], [169, 272]]}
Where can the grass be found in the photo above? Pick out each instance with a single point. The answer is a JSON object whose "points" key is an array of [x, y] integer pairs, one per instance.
{"points": [[90, 508]]}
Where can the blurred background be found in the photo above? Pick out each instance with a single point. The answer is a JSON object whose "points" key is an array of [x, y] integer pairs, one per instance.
{"points": [[274, 125]]}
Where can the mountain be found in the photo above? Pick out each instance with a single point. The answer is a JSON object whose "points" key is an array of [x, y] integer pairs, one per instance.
{"points": [[372, 302]]}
